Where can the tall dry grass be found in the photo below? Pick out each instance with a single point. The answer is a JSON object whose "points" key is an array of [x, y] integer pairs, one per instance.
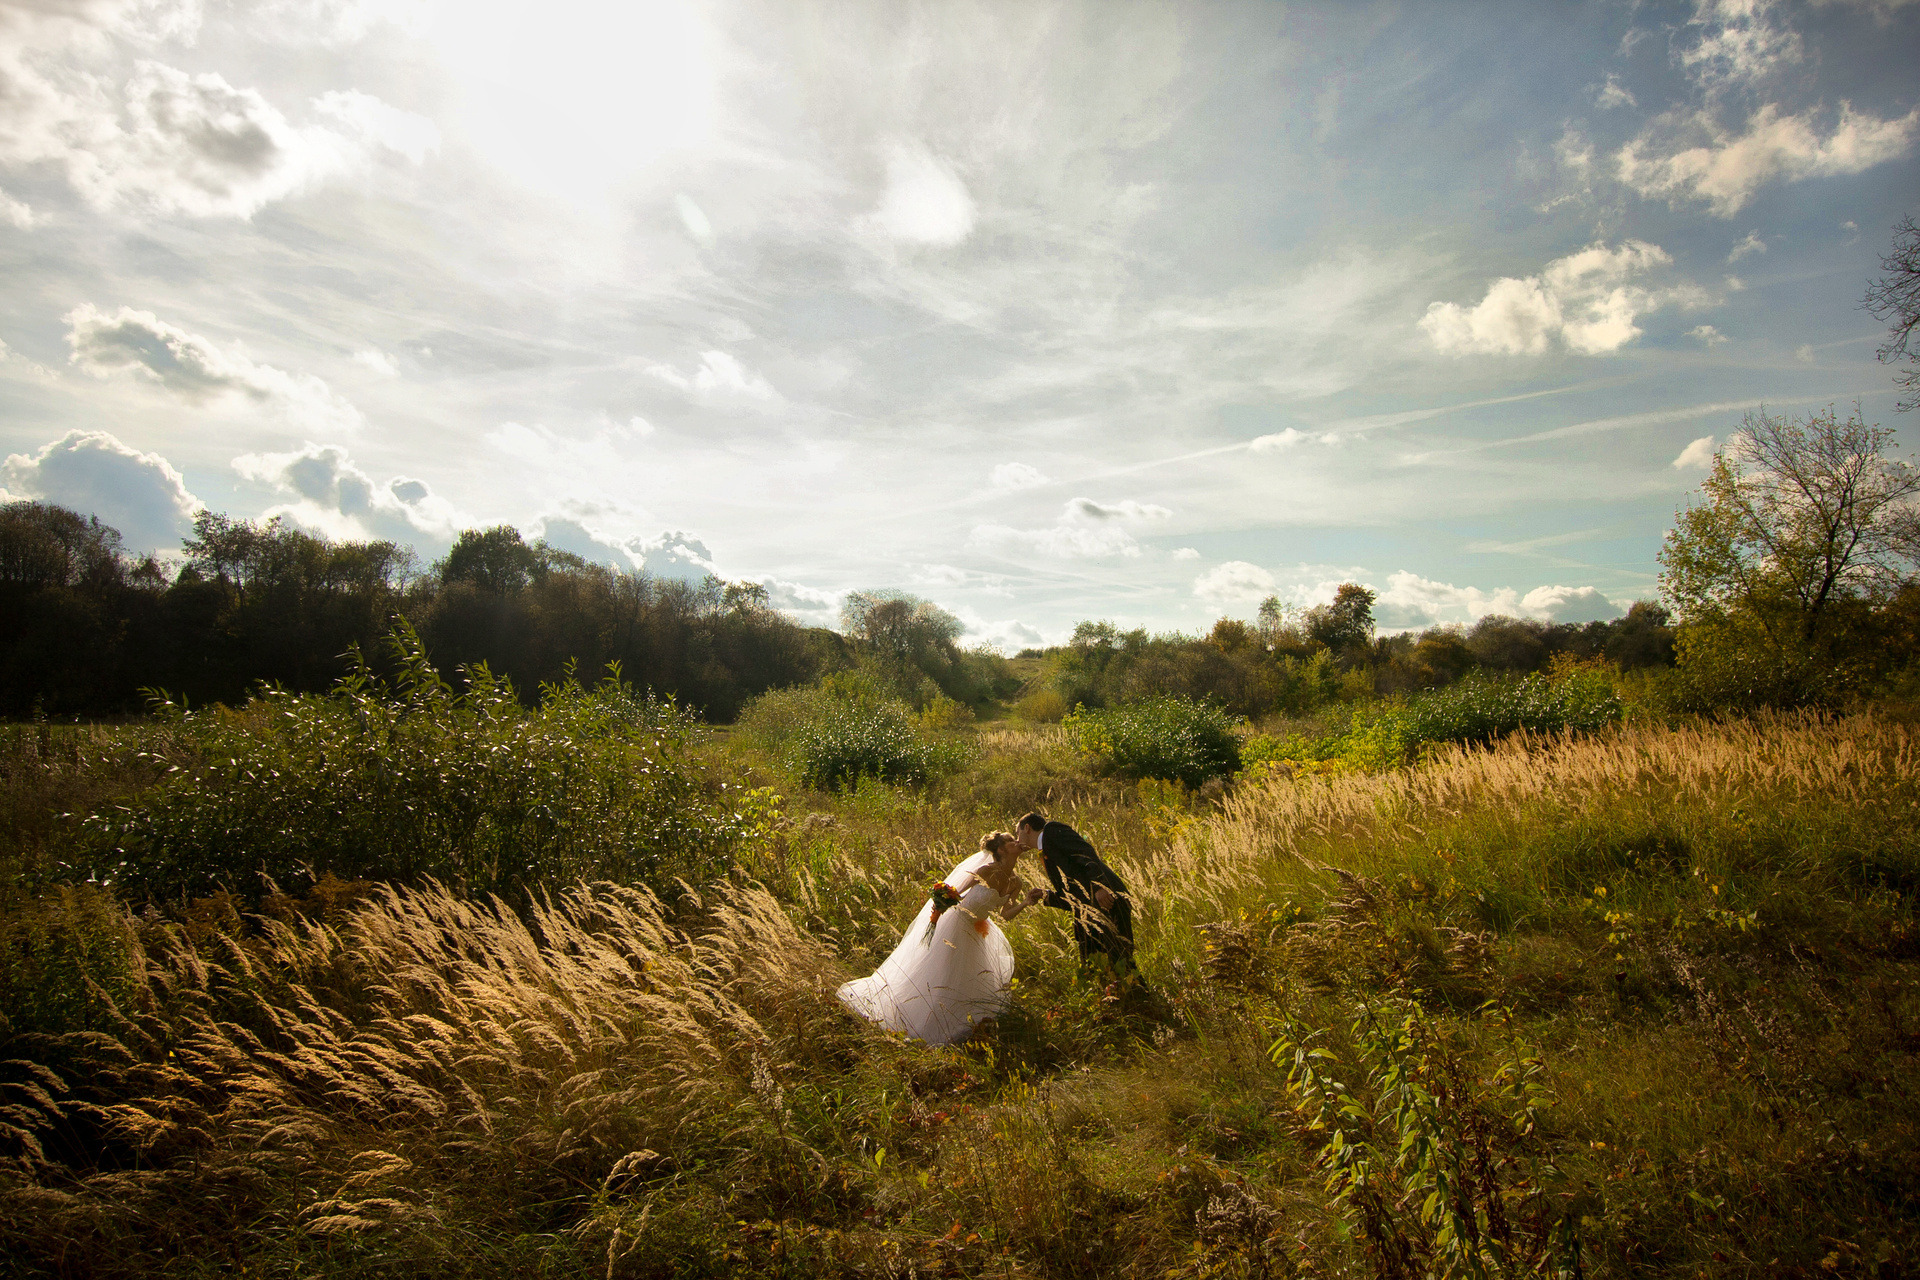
{"points": [[313, 1080]]}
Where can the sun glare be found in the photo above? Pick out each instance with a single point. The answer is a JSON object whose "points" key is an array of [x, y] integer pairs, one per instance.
{"points": [[574, 97]]}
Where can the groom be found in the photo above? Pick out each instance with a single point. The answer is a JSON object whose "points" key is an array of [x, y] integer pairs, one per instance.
{"points": [[1084, 885]]}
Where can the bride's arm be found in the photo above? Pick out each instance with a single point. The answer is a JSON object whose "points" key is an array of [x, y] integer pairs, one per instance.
{"points": [[1012, 904]]}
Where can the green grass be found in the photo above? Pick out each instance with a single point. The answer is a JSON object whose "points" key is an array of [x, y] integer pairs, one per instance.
{"points": [[1651, 994]]}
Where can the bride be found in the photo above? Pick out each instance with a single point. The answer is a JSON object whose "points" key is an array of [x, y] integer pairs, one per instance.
{"points": [[951, 969]]}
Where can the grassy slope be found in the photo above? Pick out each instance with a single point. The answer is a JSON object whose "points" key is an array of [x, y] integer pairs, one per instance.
{"points": [[1698, 946]]}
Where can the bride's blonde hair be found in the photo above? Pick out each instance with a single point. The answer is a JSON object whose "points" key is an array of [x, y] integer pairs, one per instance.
{"points": [[993, 842]]}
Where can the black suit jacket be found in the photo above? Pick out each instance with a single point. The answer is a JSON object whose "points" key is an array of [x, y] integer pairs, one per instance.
{"points": [[1073, 868]]}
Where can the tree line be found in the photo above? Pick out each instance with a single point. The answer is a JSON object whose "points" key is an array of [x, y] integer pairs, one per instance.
{"points": [[85, 628]]}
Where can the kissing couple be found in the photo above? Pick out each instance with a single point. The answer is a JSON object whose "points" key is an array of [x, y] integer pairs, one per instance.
{"points": [[953, 966]]}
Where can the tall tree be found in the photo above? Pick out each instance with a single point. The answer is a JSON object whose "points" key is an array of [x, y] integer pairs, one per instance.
{"points": [[1796, 516], [1895, 299]]}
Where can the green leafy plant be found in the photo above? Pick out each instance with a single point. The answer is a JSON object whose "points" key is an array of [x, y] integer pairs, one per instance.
{"points": [[1171, 737], [1435, 1170], [407, 779]]}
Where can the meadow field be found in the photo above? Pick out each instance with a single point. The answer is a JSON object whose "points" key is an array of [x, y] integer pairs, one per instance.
{"points": [[1644, 1001]]}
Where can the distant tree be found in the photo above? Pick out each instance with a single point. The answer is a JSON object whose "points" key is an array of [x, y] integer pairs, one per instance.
{"points": [[496, 560], [1794, 516], [1347, 622], [1509, 644], [1895, 299], [1230, 635], [45, 545], [908, 639], [1803, 530]]}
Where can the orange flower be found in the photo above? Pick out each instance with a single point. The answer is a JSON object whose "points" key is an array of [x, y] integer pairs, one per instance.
{"points": [[980, 926]]}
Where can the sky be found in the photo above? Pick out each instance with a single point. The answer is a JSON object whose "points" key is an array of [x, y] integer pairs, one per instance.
{"points": [[1043, 312]]}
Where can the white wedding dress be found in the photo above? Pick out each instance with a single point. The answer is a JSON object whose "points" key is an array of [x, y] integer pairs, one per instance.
{"points": [[939, 989]]}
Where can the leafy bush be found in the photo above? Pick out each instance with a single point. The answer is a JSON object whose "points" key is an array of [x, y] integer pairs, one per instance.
{"points": [[407, 780], [1570, 698], [1169, 737], [847, 728], [1475, 709], [1044, 707]]}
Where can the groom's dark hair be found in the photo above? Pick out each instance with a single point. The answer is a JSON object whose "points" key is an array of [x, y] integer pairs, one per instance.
{"points": [[1034, 820]]}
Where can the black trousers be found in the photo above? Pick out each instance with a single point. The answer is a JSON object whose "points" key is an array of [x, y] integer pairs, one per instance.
{"points": [[1105, 933]]}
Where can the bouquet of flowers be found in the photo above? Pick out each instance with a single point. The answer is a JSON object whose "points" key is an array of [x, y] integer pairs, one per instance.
{"points": [[942, 895]]}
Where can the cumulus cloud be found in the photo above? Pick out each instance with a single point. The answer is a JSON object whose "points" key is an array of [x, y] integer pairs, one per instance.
{"points": [[719, 379], [566, 532], [1689, 156], [199, 370], [328, 493], [1707, 334], [673, 555], [1084, 530], [1185, 553], [1410, 601], [1018, 475], [1584, 300], [808, 606], [1699, 453], [95, 473], [1234, 583], [169, 141], [1004, 635], [924, 202], [1285, 439]]}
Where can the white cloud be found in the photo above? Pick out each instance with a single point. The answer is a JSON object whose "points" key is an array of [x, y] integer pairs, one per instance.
{"points": [[925, 202], [1569, 604], [806, 605], [720, 379], [1084, 530], [1739, 43], [1235, 582], [1707, 334], [938, 576], [1018, 475], [673, 555], [1185, 553], [96, 474], [1698, 453], [566, 532], [1751, 244], [1613, 94], [693, 218], [1411, 601], [198, 370], [1289, 437], [169, 141], [1007, 636], [1688, 155], [1583, 299], [15, 213], [329, 493], [378, 361], [1804, 353]]}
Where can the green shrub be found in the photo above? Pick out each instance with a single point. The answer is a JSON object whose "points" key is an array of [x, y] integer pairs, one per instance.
{"points": [[1168, 737], [66, 961], [407, 780], [1477, 709], [847, 728], [1043, 707]]}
